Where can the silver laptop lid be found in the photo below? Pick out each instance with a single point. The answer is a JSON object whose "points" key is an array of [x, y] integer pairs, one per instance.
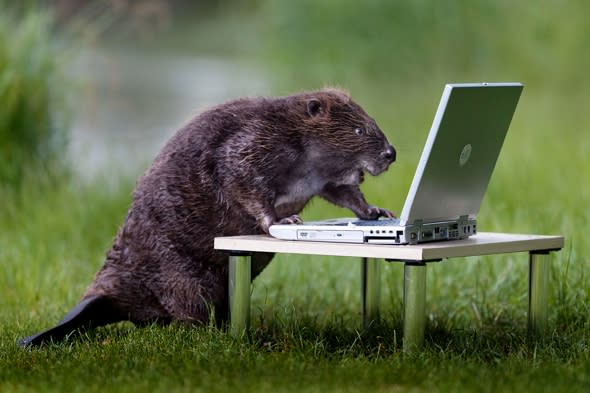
{"points": [[469, 129]]}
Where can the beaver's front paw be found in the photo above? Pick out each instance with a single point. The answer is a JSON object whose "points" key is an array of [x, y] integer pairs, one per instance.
{"points": [[294, 219], [375, 212], [268, 221]]}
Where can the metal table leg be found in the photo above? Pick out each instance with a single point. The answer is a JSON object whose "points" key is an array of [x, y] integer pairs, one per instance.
{"points": [[239, 293], [538, 294], [414, 306], [371, 288]]}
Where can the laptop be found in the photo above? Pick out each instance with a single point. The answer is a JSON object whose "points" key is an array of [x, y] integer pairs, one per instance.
{"points": [[451, 179]]}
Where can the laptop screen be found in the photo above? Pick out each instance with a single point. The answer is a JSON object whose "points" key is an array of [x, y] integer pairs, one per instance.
{"points": [[461, 151]]}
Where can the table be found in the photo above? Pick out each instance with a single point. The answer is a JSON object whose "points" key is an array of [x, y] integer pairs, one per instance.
{"points": [[415, 258]]}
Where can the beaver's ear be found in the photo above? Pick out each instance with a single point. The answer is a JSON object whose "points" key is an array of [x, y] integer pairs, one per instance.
{"points": [[315, 107]]}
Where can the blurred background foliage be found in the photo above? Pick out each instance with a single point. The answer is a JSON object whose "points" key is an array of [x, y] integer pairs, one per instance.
{"points": [[33, 108], [351, 42], [410, 42], [149, 65]]}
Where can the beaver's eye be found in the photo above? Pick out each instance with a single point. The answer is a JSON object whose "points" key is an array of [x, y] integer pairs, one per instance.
{"points": [[359, 131]]}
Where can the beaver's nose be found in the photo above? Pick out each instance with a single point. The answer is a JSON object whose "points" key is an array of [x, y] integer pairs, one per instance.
{"points": [[389, 154]]}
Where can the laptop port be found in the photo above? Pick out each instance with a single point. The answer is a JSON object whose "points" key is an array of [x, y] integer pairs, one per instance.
{"points": [[427, 235], [398, 236]]}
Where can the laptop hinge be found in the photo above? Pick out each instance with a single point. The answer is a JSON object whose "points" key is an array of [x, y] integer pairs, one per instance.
{"points": [[465, 221]]}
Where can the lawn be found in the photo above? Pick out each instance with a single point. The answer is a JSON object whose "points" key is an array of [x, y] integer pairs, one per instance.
{"points": [[305, 311]]}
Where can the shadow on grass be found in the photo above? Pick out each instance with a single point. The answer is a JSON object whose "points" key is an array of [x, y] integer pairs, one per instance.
{"points": [[492, 340], [300, 334]]}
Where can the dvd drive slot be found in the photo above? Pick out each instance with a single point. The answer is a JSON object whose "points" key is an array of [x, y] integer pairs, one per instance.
{"points": [[331, 235]]}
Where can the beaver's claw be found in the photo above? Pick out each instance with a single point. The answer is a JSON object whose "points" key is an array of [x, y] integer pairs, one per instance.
{"points": [[294, 219], [376, 212]]}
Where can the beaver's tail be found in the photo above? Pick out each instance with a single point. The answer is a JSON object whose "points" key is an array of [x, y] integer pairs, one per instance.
{"points": [[91, 312]]}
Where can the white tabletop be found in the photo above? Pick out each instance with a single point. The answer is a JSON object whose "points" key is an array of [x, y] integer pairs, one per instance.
{"points": [[483, 243]]}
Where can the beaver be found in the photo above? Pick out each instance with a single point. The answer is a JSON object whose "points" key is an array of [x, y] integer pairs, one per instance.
{"points": [[235, 169]]}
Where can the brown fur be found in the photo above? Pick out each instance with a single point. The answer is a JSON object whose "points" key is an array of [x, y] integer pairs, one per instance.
{"points": [[235, 169]]}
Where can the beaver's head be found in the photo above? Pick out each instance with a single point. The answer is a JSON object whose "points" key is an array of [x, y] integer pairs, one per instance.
{"points": [[345, 135]]}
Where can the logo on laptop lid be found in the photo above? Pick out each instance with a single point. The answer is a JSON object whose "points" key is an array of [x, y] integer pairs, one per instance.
{"points": [[465, 154]]}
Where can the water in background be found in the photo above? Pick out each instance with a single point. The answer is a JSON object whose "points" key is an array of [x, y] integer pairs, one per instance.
{"points": [[130, 103]]}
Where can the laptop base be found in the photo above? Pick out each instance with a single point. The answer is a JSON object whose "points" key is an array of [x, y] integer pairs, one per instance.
{"points": [[384, 231]]}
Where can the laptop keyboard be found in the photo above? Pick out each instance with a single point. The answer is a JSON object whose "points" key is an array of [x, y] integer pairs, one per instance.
{"points": [[372, 223]]}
